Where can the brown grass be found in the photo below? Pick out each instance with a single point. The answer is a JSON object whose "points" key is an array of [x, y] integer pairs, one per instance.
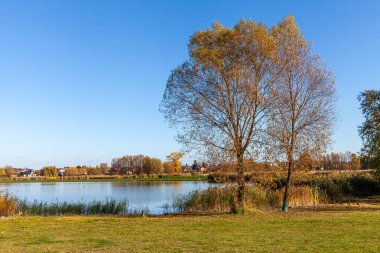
{"points": [[8, 204]]}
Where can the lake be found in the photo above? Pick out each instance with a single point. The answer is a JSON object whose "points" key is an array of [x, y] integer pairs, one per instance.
{"points": [[151, 195]]}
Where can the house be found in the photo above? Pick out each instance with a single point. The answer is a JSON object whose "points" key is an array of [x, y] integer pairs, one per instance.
{"points": [[28, 173], [61, 171]]}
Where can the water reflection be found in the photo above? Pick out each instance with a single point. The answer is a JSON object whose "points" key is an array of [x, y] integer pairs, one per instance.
{"points": [[152, 195]]}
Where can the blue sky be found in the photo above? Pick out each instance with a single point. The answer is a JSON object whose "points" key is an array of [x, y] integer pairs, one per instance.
{"points": [[81, 81]]}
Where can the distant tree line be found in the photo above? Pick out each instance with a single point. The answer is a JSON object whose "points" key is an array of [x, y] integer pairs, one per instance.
{"points": [[141, 164]]}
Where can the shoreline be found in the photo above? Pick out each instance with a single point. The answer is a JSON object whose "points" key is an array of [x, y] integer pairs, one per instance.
{"points": [[113, 179]]}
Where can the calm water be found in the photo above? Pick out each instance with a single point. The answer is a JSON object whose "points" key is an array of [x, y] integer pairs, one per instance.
{"points": [[139, 194]]}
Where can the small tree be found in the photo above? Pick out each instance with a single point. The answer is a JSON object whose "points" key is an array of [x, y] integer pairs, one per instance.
{"points": [[370, 130], [50, 171], [305, 161], [93, 170], [9, 171], [2, 172], [168, 167], [156, 165], [147, 165], [104, 168], [72, 171], [355, 162], [175, 159], [304, 99]]}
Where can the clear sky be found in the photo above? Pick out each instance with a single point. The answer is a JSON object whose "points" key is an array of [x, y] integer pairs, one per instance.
{"points": [[81, 81]]}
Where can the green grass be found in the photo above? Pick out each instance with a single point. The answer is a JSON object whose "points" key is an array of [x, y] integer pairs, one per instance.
{"points": [[167, 178], [297, 231]]}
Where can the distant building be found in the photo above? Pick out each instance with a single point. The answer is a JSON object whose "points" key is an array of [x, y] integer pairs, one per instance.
{"points": [[27, 173], [61, 171]]}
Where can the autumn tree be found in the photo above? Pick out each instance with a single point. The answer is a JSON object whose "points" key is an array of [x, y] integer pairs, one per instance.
{"points": [[93, 170], [71, 171], [218, 98], [305, 161], [128, 164], [147, 165], [355, 162], [168, 167], [341, 161], [304, 99], [156, 165], [2, 172], [50, 171], [152, 165], [104, 168], [175, 159], [8, 171], [370, 129]]}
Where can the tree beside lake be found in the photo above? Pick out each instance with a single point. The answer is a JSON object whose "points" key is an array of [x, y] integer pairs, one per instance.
{"points": [[249, 87]]}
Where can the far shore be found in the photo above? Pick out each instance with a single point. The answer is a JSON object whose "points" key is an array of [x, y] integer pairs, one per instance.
{"points": [[105, 178]]}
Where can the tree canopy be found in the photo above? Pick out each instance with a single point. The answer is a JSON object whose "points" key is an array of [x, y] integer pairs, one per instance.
{"points": [[370, 129]]}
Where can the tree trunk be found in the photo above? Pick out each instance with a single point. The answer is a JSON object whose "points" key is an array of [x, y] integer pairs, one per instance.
{"points": [[241, 185], [287, 186]]}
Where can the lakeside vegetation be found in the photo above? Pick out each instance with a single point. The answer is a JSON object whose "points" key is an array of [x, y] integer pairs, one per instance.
{"points": [[265, 191], [355, 228], [10, 206]]}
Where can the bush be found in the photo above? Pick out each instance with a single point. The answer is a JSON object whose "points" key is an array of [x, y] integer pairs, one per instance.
{"points": [[8, 204], [341, 188]]}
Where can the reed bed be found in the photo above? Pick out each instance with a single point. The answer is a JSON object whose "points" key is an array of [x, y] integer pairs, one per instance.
{"points": [[221, 198], [107, 207], [10, 205]]}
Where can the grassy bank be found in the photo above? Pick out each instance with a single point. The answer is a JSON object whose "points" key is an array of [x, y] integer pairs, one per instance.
{"points": [[298, 231], [106, 179]]}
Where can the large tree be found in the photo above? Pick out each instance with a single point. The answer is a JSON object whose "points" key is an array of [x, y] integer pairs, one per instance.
{"points": [[370, 130], [219, 98], [304, 98], [248, 86]]}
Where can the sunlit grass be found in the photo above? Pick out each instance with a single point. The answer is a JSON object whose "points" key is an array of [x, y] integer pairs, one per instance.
{"points": [[328, 231]]}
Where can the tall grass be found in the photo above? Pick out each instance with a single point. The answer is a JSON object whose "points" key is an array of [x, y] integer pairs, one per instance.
{"points": [[221, 199], [109, 206], [10, 205]]}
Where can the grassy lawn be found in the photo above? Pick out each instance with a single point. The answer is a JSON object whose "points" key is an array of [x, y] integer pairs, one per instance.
{"points": [[354, 230]]}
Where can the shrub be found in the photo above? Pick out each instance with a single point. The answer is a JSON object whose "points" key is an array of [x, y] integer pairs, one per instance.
{"points": [[343, 187], [8, 204]]}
